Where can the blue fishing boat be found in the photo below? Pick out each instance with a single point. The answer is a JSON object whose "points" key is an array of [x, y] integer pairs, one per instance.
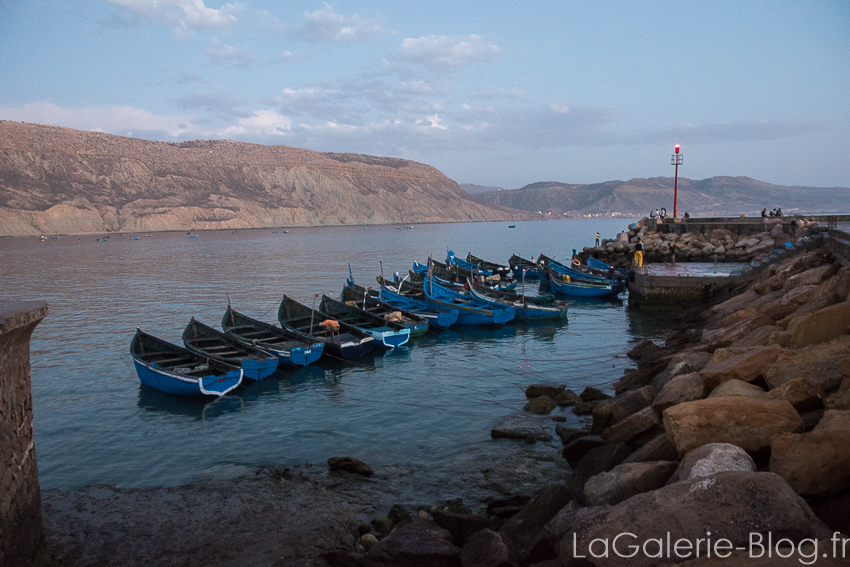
{"points": [[527, 308], [523, 268], [471, 311], [405, 296], [368, 300], [341, 340], [565, 285], [175, 370], [598, 264], [499, 269], [388, 334], [255, 363], [452, 260], [549, 264], [288, 347]]}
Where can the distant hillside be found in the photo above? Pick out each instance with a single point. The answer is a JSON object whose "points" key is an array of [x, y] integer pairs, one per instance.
{"points": [[716, 196], [58, 180], [473, 189]]}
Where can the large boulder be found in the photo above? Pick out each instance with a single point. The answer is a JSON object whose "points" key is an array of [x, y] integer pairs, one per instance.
{"points": [[819, 364], [821, 326], [419, 543], [541, 405], [675, 368], [737, 388], [626, 480], [813, 276], [602, 459], [817, 462], [626, 429], [460, 525], [574, 451], [749, 423], [800, 393], [349, 464], [710, 459], [745, 365], [612, 410], [731, 506], [658, 448], [682, 388], [523, 533], [486, 549], [537, 390]]}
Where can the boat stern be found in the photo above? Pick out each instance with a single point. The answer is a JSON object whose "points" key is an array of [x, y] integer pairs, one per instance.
{"points": [[304, 356], [220, 385]]}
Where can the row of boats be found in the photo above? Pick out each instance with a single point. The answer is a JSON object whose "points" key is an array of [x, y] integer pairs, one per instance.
{"points": [[435, 296]]}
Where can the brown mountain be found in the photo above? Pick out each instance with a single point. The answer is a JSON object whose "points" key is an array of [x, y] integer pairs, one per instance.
{"points": [[59, 180], [716, 196]]}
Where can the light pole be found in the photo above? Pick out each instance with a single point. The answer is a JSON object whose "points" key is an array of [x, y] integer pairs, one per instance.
{"points": [[677, 161]]}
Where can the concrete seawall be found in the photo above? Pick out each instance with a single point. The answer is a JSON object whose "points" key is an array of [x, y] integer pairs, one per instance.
{"points": [[20, 495]]}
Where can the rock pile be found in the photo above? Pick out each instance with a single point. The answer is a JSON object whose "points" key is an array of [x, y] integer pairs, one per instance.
{"points": [[719, 245], [729, 443]]}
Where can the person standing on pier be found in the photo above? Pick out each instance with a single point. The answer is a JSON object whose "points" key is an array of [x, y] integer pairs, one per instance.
{"points": [[639, 253]]}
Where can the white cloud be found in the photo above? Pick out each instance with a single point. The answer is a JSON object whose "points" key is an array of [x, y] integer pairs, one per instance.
{"points": [[261, 122], [228, 54], [112, 119], [559, 108], [326, 25], [185, 16], [452, 51]]}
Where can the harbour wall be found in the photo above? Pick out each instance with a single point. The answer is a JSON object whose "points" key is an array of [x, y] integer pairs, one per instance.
{"points": [[21, 532]]}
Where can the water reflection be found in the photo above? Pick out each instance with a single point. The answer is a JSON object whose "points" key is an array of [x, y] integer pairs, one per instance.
{"points": [[198, 407]]}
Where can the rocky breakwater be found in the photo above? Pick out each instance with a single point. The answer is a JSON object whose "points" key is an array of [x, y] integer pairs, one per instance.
{"points": [[729, 444], [719, 245]]}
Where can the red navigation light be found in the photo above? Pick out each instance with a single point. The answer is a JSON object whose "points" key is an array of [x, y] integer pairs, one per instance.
{"points": [[677, 148]]}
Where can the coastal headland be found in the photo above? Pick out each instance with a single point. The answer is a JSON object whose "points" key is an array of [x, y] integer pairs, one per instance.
{"points": [[728, 444]]}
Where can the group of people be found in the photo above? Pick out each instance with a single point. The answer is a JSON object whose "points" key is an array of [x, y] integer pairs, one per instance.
{"points": [[773, 213], [658, 214]]}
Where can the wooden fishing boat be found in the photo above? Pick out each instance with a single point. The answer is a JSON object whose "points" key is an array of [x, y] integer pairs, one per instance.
{"points": [[471, 311], [520, 266], [527, 308], [288, 347], [368, 300], [403, 296], [453, 260], [255, 363], [175, 370], [565, 285], [341, 340], [576, 275], [388, 334], [492, 266]]}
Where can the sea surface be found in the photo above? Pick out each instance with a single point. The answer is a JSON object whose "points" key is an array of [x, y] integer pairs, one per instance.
{"points": [[427, 407]]}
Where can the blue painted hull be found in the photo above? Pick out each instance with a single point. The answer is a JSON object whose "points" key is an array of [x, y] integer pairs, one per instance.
{"points": [[530, 311], [259, 369], [171, 383], [582, 290], [443, 318], [389, 338], [470, 311]]}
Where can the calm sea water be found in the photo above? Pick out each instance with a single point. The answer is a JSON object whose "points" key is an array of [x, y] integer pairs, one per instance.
{"points": [[429, 406]]}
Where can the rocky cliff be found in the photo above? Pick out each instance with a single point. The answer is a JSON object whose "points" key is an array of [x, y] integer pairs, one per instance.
{"points": [[59, 180]]}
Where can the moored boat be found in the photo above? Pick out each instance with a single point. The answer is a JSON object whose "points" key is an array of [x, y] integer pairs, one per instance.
{"points": [[290, 348], [565, 285], [175, 370], [204, 340], [368, 300], [404, 296], [522, 267], [471, 311], [340, 339], [527, 308], [388, 334], [492, 266]]}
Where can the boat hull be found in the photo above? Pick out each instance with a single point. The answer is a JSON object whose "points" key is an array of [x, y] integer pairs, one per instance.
{"points": [[171, 383]]}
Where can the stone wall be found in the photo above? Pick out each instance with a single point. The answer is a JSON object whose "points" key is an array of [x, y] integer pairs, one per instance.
{"points": [[20, 496]]}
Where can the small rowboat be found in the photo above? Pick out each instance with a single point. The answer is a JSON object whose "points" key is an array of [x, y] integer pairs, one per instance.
{"points": [[527, 308], [175, 370], [565, 285], [289, 348], [520, 266], [403, 296], [471, 311], [388, 334], [255, 363], [367, 301], [340, 340]]}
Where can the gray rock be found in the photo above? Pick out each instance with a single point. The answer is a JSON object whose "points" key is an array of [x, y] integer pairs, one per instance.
{"points": [[591, 394], [612, 410], [730, 505], [461, 526], [626, 429], [524, 532], [540, 405], [523, 426], [602, 459], [537, 390], [626, 480], [567, 398], [673, 369], [349, 464], [659, 448], [419, 543], [569, 434], [486, 549], [575, 450], [682, 388], [713, 458]]}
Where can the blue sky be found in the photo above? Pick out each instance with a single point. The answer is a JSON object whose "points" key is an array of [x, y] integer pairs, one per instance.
{"points": [[500, 93]]}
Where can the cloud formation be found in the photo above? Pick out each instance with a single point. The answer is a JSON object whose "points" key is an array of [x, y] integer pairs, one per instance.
{"points": [[445, 50], [327, 25], [185, 16]]}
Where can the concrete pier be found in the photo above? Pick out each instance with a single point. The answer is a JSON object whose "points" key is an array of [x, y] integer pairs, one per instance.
{"points": [[659, 284], [20, 496]]}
